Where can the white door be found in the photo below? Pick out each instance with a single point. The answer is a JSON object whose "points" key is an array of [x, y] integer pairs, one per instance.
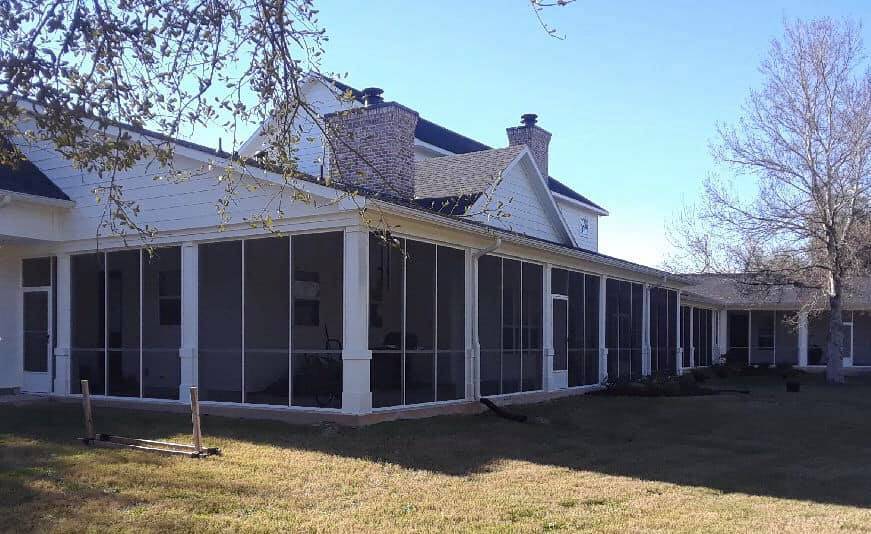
{"points": [[848, 343], [36, 340], [560, 317]]}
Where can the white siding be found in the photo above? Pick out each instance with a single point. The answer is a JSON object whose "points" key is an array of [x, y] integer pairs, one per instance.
{"points": [[522, 203], [582, 223], [21, 219], [10, 351], [165, 205], [310, 148]]}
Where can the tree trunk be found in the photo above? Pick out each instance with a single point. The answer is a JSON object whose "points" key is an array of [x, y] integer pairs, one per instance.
{"points": [[835, 340]]}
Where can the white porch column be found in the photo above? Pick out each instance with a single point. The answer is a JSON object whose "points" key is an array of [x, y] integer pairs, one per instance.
{"points": [[547, 331], [356, 356], [473, 345], [645, 331], [715, 327], [679, 352], [723, 333], [63, 335], [190, 323], [802, 338], [692, 337], [603, 351], [749, 335]]}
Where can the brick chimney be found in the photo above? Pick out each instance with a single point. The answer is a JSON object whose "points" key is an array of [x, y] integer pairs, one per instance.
{"points": [[534, 137], [372, 147]]}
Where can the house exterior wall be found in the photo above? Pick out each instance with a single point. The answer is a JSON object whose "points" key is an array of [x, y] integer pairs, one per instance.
{"points": [[180, 208], [10, 320], [582, 223], [310, 151], [524, 206]]}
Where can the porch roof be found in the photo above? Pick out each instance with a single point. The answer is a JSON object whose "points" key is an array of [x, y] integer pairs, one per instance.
{"points": [[733, 290]]}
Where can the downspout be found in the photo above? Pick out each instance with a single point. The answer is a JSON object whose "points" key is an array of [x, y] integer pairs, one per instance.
{"points": [[493, 248], [476, 344]]}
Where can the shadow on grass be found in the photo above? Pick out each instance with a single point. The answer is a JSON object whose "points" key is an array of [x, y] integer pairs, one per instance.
{"points": [[813, 446]]}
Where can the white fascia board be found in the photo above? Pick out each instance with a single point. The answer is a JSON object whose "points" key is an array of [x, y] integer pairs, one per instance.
{"points": [[490, 233], [15, 196], [432, 148], [579, 204]]}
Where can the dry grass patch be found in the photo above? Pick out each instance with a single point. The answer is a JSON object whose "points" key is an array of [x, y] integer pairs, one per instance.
{"points": [[769, 461]]}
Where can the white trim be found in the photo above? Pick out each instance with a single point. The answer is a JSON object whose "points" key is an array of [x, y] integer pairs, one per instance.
{"points": [[578, 204], [542, 246], [35, 381], [432, 148], [33, 199]]}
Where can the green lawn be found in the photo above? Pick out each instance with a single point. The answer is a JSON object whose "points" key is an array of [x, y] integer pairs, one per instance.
{"points": [[768, 461]]}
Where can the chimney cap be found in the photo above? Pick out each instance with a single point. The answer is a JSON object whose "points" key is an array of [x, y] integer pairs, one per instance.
{"points": [[529, 119], [372, 96]]}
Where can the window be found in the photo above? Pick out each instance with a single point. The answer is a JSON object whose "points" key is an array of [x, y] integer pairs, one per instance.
{"points": [[663, 330], [36, 272], [220, 321], [702, 336], [161, 332], [583, 340], [786, 338], [623, 327], [510, 295], [169, 295], [685, 336], [267, 337], [121, 343], [417, 322]]}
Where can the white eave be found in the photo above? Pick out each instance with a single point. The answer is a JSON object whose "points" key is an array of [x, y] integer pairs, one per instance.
{"points": [[7, 197], [509, 237], [583, 205]]}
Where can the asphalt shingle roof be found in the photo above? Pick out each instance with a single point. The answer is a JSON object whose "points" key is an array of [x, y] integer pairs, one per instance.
{"points": [[461, 174], [735, 290], [26, 178], [436, 135]]}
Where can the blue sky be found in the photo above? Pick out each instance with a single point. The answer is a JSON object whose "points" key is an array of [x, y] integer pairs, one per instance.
{"points": [[632, 95]]}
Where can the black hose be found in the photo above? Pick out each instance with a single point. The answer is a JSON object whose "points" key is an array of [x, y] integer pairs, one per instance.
{"points": [[502, 412]]}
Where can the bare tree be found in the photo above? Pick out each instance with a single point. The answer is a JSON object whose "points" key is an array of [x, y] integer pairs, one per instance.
{"points": [[805, 136]]}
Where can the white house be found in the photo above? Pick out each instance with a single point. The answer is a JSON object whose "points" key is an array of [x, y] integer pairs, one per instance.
{"points": [[323, 320]]}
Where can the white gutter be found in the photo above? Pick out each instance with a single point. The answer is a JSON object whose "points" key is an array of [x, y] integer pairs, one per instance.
{"points": [[526, 241], [6, 197], [582, 205]]}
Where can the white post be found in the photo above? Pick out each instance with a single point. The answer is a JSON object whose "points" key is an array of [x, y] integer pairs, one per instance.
{"points": [[749, 336], [645, 331], [692, 337], [190, 309], [473, 345], [679, 352], [603, 350], [723, 334], [547, 331], [63, 335], [356, 356], [802, 338]]}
